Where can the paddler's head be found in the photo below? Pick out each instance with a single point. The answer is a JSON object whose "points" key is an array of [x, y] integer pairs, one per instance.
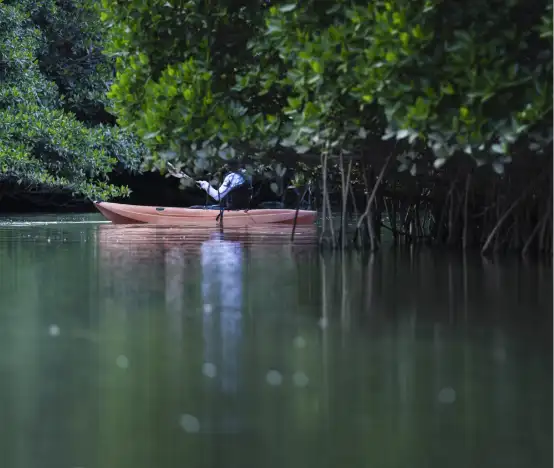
{"points": [[233, 165]]}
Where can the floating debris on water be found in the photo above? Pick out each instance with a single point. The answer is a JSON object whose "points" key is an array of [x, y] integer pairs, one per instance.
{"points": [[447, 395], [54, 330], [189, 423], [300, 379], [274, 377], [208, 308], [299, 342], [323, 322], [122, 361], [209, 370]]}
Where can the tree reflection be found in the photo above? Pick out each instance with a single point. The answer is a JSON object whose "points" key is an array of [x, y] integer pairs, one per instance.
{"points": [[215, 351]]}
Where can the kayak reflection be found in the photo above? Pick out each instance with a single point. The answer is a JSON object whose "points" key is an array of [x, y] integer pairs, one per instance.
{"points": [[142, 239], [202, 275]]}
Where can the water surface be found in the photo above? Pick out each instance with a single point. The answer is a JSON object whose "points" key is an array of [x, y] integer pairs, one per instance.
{"points": [[163, 347]]}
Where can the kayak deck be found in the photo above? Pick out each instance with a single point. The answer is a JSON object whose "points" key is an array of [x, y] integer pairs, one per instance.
{"points": [[139, 214]]}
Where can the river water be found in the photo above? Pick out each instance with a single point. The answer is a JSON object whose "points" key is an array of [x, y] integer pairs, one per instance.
{"points": [[165, 347]]}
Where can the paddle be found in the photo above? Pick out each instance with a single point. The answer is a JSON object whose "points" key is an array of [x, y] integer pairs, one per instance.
{"points": [[180, 174], [174, 173]]}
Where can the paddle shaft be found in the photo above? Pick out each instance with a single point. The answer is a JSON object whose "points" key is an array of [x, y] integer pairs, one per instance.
{"points": [[174, 171], [180, 173]]}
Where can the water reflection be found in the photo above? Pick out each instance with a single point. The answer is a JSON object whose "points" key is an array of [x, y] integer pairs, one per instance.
{"points": [[151, 347], [175, 298], [222, 294], [222, 282]]}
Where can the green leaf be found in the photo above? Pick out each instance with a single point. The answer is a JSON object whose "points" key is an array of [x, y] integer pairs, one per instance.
{"points": [[316, 66], [448, 89], [401, 134], [288, 7], [498, 168], [294, 102], [273, 27], [417, 32], [439, 162]]}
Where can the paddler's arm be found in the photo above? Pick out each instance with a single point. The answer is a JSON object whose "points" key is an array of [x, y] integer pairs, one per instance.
{"points": [[222, 192]]}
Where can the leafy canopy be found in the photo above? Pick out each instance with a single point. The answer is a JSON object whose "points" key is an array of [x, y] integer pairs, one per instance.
{"points": [[41, 142], [197, 79]]}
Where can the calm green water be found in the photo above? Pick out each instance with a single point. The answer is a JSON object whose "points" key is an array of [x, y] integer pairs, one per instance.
{"points": [[159, 347]]}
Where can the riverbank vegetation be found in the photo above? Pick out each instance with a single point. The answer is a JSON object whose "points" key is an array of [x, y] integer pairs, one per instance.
{"points": [[440, 112], [55, 136], [429, 119]]}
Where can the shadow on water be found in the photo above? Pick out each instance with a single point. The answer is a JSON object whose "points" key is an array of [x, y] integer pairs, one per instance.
{"points": [[132, 346]]}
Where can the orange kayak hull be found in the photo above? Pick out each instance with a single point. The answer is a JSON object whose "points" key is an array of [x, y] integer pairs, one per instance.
{"points": [[139, 214]]}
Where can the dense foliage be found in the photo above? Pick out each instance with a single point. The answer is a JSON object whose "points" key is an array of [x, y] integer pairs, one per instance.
{"points": [[348, 87], [174, 61], [196, 77], [53, 79]]}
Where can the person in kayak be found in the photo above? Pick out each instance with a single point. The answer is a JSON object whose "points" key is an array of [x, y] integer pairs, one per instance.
{"points": [[235, 192]]}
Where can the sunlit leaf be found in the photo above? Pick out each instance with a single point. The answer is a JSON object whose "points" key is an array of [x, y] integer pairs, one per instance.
{"points": [[287, 7]]}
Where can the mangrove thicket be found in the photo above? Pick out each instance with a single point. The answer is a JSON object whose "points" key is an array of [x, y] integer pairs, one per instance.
{"points": [[439, 112]]}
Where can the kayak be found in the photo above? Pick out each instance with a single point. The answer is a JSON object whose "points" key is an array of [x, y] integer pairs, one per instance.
{"points": [[140, 214]]}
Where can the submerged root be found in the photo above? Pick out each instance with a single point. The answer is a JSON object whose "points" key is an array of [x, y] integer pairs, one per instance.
{"points": [[465, 207]]}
